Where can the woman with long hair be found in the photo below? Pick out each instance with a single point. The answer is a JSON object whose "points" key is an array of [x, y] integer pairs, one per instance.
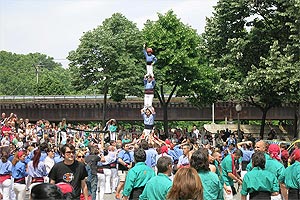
{"points": [[186, 185], [5, 175], [212, 187], [19, 173], [37, 169]]}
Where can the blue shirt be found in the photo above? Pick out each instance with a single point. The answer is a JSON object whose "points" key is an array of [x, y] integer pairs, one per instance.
{"points": [[38, 172], [176, 152], [149, 85], [19, 170], [148, 120], [247, 154], [5, 168], [151, 155], [126, 156], [183, 160], [58, 158], [149, 58]]}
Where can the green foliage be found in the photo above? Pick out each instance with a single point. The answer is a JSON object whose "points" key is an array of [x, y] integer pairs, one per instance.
{"points": [[108, 59], [254, 45], [181, 68], [19, 75]]}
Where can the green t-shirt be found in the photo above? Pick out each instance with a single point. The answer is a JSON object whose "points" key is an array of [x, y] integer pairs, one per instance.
{"points": [[212, 187], [157, 188], [259, 180], [291, 176], [227, 168], [138, 176]]}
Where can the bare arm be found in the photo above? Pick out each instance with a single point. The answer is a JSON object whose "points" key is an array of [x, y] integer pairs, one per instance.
{"points": [[52, 181], [84, 189], [284, 190], [237, 178]]}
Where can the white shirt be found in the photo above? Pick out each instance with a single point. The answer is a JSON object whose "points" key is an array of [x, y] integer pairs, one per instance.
{"points": [[49, 162]]}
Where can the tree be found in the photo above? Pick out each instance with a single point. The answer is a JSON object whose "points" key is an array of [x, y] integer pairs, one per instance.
{"points": [[181, 69], [19, 75], [109, 59], [250, 43]]}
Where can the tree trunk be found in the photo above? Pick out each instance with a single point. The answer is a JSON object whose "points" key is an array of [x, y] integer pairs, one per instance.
{"points": [[297, 129], [263, 122], [164, 104], [165, 118], [104, 107]]}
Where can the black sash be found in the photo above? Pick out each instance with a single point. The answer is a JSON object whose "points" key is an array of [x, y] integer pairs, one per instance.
{"points": [[294, 194], [122, 167], [260, 195], [136, 192], [149, 127]]}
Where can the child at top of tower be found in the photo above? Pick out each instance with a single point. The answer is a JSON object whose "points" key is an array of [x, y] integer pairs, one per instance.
{"points": [[150, 60]]}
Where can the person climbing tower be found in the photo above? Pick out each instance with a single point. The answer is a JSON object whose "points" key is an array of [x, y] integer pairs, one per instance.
{"points": [[149, 84], [148, 115], [150, 60]]}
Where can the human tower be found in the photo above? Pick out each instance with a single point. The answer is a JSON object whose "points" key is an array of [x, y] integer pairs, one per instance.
{"points": [[148, 112]]}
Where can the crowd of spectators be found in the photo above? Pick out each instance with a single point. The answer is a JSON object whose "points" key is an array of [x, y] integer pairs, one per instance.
{"points": [[113, 158]]}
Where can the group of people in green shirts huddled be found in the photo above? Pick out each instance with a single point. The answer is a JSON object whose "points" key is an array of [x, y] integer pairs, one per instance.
{"points": [[266, 176]]}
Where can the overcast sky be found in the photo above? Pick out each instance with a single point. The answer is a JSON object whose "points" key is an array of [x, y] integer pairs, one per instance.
{"points": [[54, 27]]}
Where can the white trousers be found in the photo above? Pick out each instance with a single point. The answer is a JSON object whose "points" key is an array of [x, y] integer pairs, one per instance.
{"points": [[112, 136], [5, 188], [101, 186], [114, 179], [20, 191], [149, 70], [147, 132], [107, 174], [148, 99], [63, 137]]}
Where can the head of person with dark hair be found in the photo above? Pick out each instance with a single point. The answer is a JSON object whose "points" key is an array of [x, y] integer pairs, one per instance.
{"points": [[237, 154], [259, 159], [144, 145], [4, 156], [186, 148], [186, 185], [46, 191], [139, 155], [94, 150], [64, 148], [126, 146], [68, 153], [44, 146], [164, 165], [199, 160]]}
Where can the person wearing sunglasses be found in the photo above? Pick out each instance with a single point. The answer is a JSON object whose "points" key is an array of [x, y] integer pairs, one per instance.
{"points": [[80, 156], [70, 171]]}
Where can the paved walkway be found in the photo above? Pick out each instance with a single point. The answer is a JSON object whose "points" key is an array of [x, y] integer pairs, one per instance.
{"points": [[112, 196], [106, 196]]}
